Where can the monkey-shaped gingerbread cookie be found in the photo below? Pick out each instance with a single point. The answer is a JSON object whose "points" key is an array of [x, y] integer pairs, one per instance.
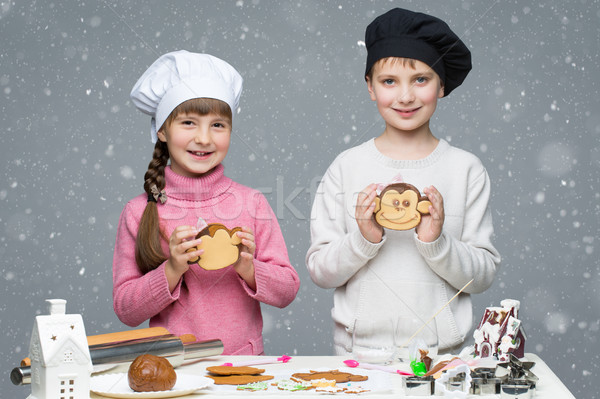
{"points": [[400, 206], [221, 247]]}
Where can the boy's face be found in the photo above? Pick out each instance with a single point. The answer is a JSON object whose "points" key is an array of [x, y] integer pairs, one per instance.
{"points": [[406, 98], [197, 143]]}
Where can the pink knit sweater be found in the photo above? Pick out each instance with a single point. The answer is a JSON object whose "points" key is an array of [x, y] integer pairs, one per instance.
{"points": [[208, 304]]}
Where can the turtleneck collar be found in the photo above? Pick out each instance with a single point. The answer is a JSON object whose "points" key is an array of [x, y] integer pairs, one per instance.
{"points": [[201, 188]]}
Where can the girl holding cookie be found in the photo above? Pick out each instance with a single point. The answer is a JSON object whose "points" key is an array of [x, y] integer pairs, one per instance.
{"points": [[191, 99]]}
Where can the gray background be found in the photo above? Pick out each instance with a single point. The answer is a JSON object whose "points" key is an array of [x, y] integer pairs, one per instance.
{"points": [[74, 149]]}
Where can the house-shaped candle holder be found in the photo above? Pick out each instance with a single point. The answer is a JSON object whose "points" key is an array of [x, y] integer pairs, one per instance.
{"points": [[61, 365]]}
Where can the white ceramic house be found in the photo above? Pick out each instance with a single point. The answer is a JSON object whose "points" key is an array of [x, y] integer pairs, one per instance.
{"points": [[61, 365]]}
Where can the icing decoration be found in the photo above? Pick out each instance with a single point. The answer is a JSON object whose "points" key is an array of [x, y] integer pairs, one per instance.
{"points": [[221, 247], [399, 206], [289, 385], [253, 386], [418, 368]]}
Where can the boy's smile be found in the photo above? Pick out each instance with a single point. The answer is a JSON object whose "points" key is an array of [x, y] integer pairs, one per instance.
{"points": [[197, 143], [406, 97]]}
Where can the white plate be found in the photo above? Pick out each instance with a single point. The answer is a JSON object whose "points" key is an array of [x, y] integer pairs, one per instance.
{"points": [[116, 386]]}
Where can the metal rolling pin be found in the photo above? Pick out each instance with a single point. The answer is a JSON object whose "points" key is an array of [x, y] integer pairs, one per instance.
{"points": [[118, 353]]}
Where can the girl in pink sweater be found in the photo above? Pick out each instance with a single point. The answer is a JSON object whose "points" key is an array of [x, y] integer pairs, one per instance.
{"points": [[191, 98]]}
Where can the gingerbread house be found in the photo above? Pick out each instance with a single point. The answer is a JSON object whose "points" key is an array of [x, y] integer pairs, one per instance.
{"points": [[61, 364], [500, 332]]}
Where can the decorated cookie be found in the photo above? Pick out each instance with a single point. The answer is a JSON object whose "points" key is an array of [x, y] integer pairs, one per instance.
{"points": [[356, 389], [239, 379], [221, 247], [289, 385], [399, 206], [338, 376], [253, 386], [322, 382], [330, 389], [232, 370]]}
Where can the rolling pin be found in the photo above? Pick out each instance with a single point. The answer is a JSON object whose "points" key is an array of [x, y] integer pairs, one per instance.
{"points": [[112, 354], [124, 336]]}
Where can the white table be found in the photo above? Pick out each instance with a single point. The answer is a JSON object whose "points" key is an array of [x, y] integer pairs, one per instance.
{"points": [[548, 386]]}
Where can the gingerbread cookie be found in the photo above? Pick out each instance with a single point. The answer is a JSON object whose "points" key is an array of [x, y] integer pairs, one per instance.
{"points": [[290, 385], [253, 386], [221, 247], [357, 389], [399, 206], [232, 370], [239, 379], [338, 376]]}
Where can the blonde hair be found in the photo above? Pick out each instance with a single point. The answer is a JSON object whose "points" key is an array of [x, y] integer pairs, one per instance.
{"points": [[148, 250], [411, 62]]}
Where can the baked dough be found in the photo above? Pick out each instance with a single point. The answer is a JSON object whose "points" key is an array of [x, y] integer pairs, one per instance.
{"points": [[399, 206], [239, 379], [221, 247], [338, 376], [232, 370]]}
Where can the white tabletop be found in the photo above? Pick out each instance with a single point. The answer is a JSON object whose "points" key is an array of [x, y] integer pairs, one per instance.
{"points": [[384, 385]]}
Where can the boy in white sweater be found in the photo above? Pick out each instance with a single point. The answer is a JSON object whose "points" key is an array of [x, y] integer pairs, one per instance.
{"points": [[413, 59]]}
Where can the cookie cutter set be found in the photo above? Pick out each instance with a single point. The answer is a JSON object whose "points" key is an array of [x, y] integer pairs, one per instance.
{"points": [[510, 380]]}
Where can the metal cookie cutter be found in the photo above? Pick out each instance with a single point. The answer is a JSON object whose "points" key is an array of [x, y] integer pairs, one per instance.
{"points": [[418, 386], [454, 386], [517, 390], [485, 382]]}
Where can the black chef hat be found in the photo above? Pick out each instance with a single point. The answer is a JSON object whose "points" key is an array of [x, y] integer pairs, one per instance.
{"points": [[407, 34]]}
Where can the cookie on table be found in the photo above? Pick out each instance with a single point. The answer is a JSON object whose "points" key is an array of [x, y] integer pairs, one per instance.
{"points": [[232, 370], [238, 379]]}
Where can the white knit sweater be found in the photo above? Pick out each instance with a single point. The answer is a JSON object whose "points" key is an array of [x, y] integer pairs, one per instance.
{"points": [[402, 275]]}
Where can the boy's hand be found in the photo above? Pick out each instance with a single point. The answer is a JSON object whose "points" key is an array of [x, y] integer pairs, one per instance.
{"points": [[182, 239], [431, 225], [245, 264], [365, 206]]}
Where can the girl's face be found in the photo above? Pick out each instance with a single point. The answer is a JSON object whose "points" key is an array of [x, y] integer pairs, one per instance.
{"points": [[197, 143], [406, 97]]}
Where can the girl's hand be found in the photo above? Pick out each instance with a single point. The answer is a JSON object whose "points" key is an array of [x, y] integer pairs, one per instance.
{"points": [[245, 264], [182, 239], [365, 206], [431, 225]]}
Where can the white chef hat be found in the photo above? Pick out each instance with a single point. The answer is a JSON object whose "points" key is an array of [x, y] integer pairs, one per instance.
{"points": [[180, 76]]}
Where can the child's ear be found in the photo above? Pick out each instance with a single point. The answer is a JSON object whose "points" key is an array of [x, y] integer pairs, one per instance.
{"points": [[161, 135], [370, 88], [441, 92]]}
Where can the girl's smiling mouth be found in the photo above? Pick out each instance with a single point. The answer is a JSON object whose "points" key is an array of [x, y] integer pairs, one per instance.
{"points": [[200, 154]]}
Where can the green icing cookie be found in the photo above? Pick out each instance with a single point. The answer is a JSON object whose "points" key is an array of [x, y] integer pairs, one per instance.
{"points": [[254, 386]]}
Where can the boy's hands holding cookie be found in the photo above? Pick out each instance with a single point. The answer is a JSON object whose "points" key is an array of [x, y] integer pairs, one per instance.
{"points": [[365, 206], [245, 264], [431, 225]]}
